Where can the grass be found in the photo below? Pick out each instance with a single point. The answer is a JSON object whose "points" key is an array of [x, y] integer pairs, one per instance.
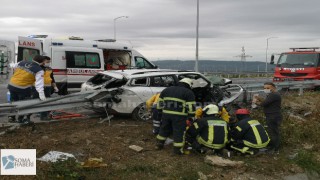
{"points": [[296, 134], [306, 160]]}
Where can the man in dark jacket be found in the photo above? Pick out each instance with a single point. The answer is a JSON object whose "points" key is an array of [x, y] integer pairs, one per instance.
{"points": [[177, 104], [272, 110], [248, 135], [211, 131]]}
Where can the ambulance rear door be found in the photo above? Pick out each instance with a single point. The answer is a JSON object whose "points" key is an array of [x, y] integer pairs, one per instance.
{"points": [[82, 64], [28, 48]]}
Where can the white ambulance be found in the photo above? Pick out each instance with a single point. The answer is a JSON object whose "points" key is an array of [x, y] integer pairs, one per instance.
{"points": [[75, 60]]}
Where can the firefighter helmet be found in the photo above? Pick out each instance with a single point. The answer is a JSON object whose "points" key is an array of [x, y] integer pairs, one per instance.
{"points": [[187, 81], [211, 109], [242, 111]]}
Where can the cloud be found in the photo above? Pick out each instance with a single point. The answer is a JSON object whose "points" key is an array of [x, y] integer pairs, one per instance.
{"points": [[164, 29]]}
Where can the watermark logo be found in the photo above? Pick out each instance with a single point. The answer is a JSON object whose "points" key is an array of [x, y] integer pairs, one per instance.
{"points": [[8, 162], [18, 162]]}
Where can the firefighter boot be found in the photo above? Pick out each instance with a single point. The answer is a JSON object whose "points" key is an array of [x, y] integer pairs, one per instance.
{"points": [[178, 150], [160, 144]]}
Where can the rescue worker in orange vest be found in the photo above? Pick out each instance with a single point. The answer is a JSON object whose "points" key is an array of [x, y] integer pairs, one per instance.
{"points": [[27, 74], [248, 135], [49, 85], [151, 104], [211, 131], [177, 104]]}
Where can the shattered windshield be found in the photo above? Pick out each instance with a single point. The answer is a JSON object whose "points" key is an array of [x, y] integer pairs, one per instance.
{"points": [[298, 60], [106, 81], [215, 80]]}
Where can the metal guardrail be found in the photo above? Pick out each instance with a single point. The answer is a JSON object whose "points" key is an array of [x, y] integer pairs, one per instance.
{"points": [[257, 88], [240, 74]]}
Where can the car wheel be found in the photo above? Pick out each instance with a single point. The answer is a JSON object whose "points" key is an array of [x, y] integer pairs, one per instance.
{"points": [[141, 113]]}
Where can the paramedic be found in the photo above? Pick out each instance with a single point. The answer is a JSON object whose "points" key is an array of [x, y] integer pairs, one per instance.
{"points": [[27, 74]]}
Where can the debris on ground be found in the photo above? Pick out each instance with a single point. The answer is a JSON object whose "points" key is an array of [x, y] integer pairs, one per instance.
{"points": [[54, 156], [10, 129], [219, 161], [93, 163], [202, 176], [136, 148]]}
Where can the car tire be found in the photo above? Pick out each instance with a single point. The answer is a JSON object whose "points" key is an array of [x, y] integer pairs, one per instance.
{"points": [[140, 113]]}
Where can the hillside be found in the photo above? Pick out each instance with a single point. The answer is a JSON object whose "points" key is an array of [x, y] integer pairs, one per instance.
{"points": [[215, 65]]}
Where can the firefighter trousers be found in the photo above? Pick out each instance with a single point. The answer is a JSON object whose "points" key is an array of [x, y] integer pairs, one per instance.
{"points": [[173, 125]]}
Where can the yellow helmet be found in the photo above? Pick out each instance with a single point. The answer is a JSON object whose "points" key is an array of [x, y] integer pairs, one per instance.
{"points": [[211, 109], [187, 81]]}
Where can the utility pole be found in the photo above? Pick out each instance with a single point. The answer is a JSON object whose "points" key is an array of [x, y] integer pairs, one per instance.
{"points": [[243, 57], [196, 68], [114, 25], [267, 52]]}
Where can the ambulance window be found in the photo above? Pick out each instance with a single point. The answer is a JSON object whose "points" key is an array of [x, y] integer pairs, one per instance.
{"points": [[82, 60], [26, 54], [142, 63]]}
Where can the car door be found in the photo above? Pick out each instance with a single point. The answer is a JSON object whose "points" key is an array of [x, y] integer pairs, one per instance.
{"points": [[159, 83]]}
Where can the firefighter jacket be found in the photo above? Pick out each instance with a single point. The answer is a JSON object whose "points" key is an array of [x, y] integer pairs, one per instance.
{"points": [[152, 101], [25, 75], [223, 114], [251, 132], [210, 131], [177, 100]]}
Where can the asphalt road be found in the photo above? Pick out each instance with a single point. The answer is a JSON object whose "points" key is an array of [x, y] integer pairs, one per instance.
{"points": [[3, 90], [250, 80]]}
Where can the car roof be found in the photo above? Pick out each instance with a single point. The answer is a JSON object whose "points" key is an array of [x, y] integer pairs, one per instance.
{"points": [[129, 72], [137, 73]]}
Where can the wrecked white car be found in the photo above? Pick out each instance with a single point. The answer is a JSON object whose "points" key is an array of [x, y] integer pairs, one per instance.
{"points": [[130, 89]]}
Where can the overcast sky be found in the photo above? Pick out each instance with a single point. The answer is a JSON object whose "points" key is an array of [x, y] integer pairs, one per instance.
{"points": [[166, 29]]}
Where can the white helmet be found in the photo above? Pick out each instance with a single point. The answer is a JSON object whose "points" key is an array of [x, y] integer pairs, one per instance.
{"points": [[211, 109], [187, 81]]}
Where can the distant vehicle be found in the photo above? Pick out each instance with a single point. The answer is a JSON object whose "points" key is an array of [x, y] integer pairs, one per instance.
{"points": [[132, 88], [75, 60], [298, 65], [7, 56]]}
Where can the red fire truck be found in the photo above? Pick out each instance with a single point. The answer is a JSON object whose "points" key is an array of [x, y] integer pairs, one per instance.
{"points": [[298, 65]]}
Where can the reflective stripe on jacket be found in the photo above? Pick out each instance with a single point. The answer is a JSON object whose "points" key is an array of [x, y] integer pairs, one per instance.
{"points": [[251, 132], [210, 131], [177, 100]]}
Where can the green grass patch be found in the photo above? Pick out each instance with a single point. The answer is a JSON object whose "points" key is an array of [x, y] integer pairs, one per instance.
{"points": [[68, 169], [306, 160]]}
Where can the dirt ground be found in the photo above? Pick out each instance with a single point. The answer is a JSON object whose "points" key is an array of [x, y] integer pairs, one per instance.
{"points": [[87, 138]]}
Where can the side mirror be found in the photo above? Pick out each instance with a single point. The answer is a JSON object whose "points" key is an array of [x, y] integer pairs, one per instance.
{"points": [[227, 81], [272, 59]]}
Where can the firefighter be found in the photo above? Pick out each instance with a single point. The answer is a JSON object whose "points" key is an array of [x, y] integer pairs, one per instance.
{"points": [[177, 104], [223, 113], [211, 131], [27, 74], [248, 135], [151, 104]]}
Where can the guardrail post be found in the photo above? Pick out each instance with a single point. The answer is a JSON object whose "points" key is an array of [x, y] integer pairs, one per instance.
{"points": [[300, 90]]}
